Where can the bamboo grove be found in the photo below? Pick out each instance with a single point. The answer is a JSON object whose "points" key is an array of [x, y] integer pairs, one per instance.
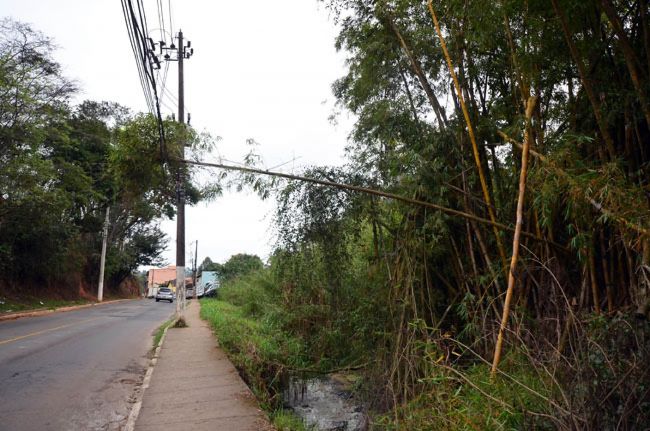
{"points": [[532, 115]]}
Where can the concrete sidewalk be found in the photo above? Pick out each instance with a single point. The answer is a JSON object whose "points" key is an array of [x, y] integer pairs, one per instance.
{"points": [[195, 387]]}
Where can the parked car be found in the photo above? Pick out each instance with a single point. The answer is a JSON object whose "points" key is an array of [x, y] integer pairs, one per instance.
{"points": [[165, 294]]}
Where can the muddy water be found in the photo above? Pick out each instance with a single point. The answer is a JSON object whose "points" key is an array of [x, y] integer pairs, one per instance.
{"points": [[324, 404]]}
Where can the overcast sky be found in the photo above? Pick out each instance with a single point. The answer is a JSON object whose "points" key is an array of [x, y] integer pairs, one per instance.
{"points": [[260, 70]]}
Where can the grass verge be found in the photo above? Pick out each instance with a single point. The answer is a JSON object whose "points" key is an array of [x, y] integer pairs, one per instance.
{"points": [[285, 420], [12, 306], [249, 328], [157, 336]]}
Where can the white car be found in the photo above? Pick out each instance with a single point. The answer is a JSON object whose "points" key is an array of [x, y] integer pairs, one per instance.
{"points": [[165, 294]]}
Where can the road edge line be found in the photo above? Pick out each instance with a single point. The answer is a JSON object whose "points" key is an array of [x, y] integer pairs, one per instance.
{"points": [[135, 410]]}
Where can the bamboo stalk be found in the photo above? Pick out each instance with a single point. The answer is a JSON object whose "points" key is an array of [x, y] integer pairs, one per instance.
{"points": [[631, 59], [594, 281], [470, 131], [582, 70], [417, 69], [597, 206], [486, 255], [606, 276], [515, 242], [523, 87], [643, 286]]}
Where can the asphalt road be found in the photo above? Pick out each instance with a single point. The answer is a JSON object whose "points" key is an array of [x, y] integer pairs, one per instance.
{"points": [[77, 370]]}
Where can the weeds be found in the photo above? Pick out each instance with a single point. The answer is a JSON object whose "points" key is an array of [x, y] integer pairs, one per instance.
{"points": [[284, 420], [26, 304], [180, 323], [159, 333], [249, 327]]}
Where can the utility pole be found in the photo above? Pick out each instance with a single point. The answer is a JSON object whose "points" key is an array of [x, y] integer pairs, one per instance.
{"points": [[180, 192], [102, 260], [183, 51], [196, 255]]}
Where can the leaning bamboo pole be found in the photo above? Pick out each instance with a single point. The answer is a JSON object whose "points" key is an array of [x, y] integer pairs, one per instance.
{"points": [[374, 192], [515, 242], [472, 137]]}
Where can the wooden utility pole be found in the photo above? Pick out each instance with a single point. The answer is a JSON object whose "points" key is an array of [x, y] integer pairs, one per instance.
{"points": [[180, 192], [182, 52], [102, 260]]}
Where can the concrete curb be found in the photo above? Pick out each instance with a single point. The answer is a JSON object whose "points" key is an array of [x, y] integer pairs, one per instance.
{"points": [[44, 311], [135, 410]]}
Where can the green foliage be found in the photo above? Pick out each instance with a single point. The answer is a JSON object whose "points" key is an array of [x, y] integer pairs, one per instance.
{"points": [[284, 420], [209, 265], [368, 280], [157, 336], [239, 265], [63, 167], [467, 399], [252, 335]]}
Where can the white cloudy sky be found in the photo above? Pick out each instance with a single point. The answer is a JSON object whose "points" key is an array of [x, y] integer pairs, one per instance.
{"points": [[261, 70]]}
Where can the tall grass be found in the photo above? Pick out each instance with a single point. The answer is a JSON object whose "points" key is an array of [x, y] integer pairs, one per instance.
{"points": [[249, 327]]}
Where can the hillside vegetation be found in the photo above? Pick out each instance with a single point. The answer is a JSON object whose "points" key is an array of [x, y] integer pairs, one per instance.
{"points": [[63, 166]]}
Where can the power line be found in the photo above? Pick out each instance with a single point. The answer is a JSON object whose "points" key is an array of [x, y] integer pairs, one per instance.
{"points": [[169, 7], [161, 22], [134, 47], [135, 34], [146, 60]]}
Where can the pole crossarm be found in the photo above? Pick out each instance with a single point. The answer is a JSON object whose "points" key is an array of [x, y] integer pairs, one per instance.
{"points": [[369, 191]]}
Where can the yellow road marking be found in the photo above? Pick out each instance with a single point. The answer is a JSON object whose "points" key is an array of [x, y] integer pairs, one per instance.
{"points": [[11, 340]]}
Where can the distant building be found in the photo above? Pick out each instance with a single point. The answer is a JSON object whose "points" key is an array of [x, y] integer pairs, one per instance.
{"points": [[158, 277]]}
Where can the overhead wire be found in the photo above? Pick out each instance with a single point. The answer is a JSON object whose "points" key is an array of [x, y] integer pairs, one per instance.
{"points": [[165, 93], [161, 22], [137, 30], [126, 9], [160, 74], [169, 7]]}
